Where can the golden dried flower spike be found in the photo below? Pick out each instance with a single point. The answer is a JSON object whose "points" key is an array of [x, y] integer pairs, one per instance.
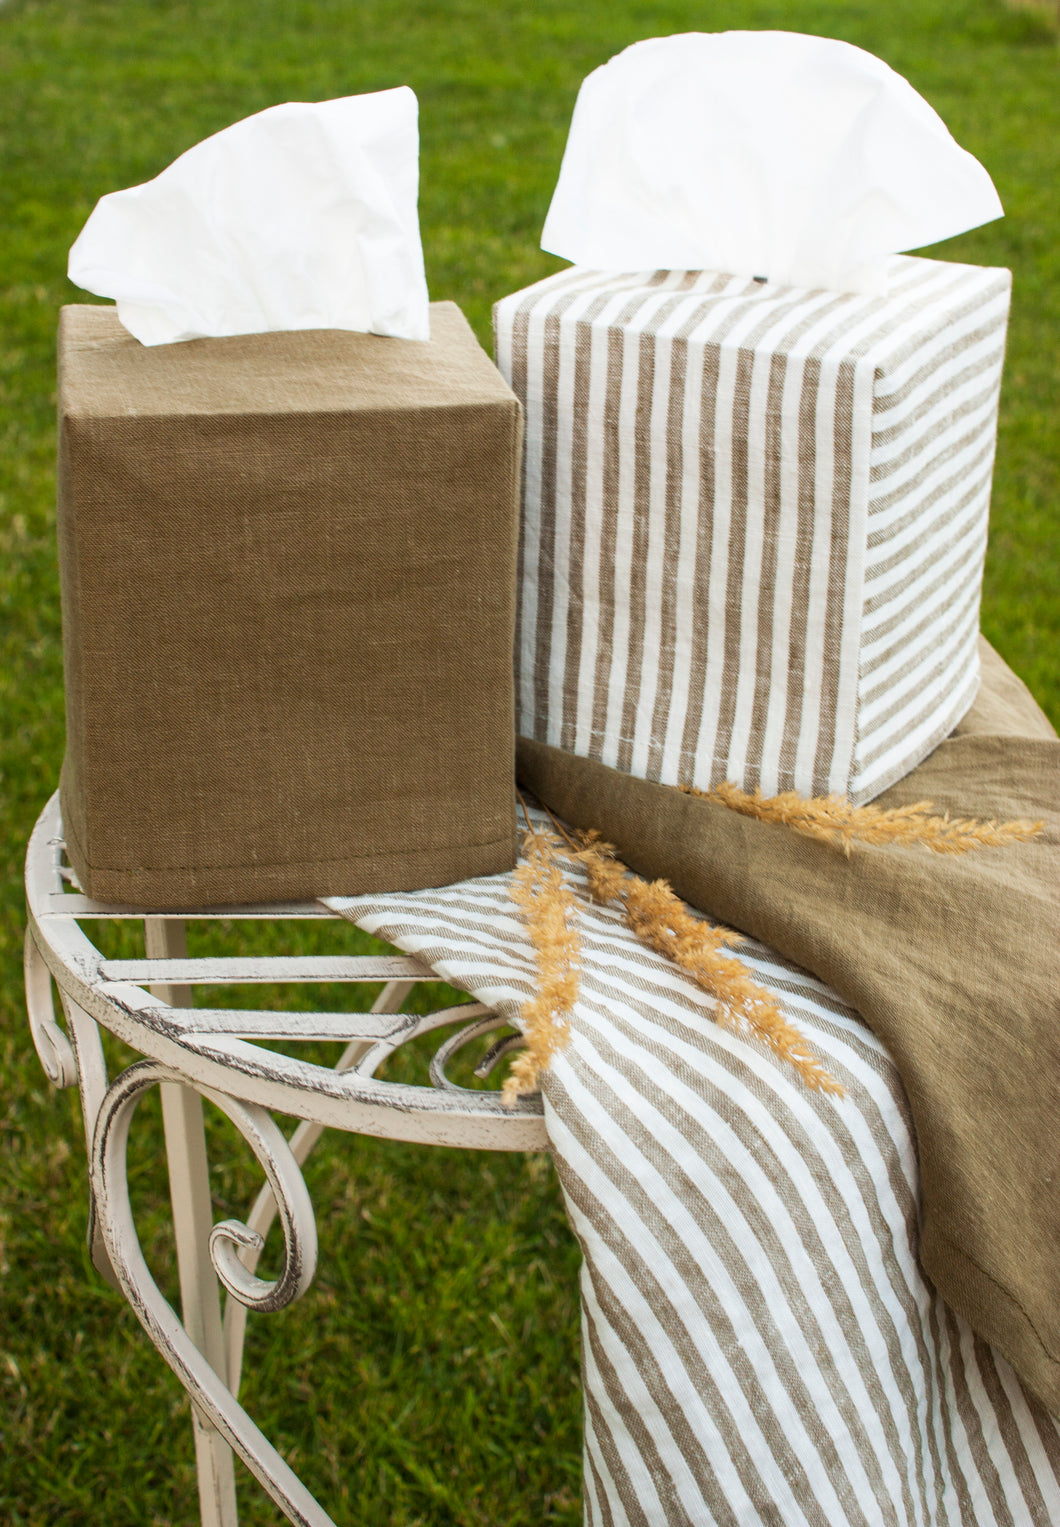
{"points": [[550, 913], [832, 819], [661, 920]]}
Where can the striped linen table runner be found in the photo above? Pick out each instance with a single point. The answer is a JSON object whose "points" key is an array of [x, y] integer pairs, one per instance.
{"points": [[754, 519], [759, 1343]]}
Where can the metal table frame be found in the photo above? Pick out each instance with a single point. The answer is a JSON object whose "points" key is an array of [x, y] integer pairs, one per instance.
{"points": [[191, 1053]]}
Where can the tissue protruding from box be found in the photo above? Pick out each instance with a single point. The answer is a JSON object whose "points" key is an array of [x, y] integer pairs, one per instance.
{"points": [[301, 217], [801, 159]]}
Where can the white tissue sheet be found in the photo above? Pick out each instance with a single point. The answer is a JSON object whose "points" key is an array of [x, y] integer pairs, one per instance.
{"points": [[300, 217], [801, 159]]}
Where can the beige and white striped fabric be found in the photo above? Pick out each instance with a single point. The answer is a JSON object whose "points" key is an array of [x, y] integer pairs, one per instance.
{"points": [[759, 1344], [754, 519]]}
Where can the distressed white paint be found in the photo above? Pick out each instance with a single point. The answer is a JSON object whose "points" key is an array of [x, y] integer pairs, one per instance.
{"points": [[196, 1052]]}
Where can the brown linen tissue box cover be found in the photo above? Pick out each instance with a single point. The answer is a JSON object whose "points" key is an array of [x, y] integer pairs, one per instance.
{"points": [[288, 576]]}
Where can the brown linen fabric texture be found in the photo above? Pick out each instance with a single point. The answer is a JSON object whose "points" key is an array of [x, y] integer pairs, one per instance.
{"points": [[953, 962], [288, 580]]}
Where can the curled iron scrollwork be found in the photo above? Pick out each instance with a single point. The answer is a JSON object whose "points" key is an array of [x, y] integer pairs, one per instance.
{"points": [[488, 1022], [204, 1384], [54, 1050]]}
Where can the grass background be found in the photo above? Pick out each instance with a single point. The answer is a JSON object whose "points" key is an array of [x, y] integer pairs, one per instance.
{"points": [[431, 1373]]}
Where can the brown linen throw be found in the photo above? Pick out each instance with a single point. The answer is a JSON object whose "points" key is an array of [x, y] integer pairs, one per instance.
{"points": [[953, 962]]}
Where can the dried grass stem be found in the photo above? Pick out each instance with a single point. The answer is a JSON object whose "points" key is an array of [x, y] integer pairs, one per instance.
{"points": [[832, 819], [550, 912], [657, 917]]}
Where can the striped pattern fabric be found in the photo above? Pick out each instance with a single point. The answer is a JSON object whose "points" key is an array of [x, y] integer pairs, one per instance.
{"points": [[759, 1344], [754, 519]]}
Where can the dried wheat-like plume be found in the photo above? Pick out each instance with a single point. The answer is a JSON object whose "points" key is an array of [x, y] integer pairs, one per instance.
{"points": [[832, 819], [550, 913], [658, 917], [662, 920]]}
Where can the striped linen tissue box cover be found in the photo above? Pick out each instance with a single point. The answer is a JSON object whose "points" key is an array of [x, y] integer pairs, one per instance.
{"points": [[754, 519]]}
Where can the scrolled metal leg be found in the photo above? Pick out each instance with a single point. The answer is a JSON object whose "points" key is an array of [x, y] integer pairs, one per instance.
{"points": [[73, 1059], [213, 1399], [189, 1192], [54, 1050], [93, 1083], [390, 1000]]}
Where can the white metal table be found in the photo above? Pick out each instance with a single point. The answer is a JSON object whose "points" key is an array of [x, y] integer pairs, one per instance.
{"points": [[191, 1053]]}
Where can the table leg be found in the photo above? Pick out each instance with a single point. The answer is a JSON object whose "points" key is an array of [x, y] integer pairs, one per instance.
{"points": [[72, 1059], [189, 1186]]}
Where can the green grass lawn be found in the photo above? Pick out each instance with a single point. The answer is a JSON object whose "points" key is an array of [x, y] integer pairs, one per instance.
{"points": [[431, 1374]]}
